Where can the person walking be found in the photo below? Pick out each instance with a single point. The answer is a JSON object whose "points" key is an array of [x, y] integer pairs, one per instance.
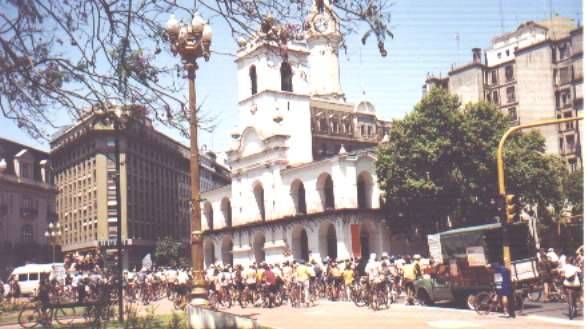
{"points": [[504, 287]]}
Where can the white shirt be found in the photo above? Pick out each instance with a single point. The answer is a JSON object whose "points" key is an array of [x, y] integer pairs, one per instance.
{"points": [[182, 278], [372, 269]]}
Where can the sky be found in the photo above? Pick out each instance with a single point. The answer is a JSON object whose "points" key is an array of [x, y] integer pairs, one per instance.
{"points": [[430, 36]]}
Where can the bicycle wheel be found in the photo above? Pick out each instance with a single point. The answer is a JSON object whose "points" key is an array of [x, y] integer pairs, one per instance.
{"points": [[534, 294], [65, 316], [520, 302], [571, 305], [483, 303], [29, 317]]}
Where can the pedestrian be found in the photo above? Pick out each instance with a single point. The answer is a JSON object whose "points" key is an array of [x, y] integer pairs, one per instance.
{"points": [[504, 287]]}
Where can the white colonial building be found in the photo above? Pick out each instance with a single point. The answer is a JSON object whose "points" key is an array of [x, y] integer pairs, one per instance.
{"points": [[303, 179]]}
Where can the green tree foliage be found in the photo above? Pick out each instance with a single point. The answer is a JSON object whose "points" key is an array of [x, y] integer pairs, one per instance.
{"points": [[441, 161], [168, 252], [574, 191]]}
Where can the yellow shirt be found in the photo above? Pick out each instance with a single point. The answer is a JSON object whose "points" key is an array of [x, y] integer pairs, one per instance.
{"points": [[259, 274], [409, 272], [302, 273], [348, 277]]}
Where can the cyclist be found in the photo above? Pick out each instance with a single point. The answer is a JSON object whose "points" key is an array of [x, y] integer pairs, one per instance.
{"points": [[334, 279], [269, 279], [409, 277], [572, 284], [348, 276], [303, 274]]}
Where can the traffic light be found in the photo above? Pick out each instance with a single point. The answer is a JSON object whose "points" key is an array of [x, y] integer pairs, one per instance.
{"points": [[512, 208]]}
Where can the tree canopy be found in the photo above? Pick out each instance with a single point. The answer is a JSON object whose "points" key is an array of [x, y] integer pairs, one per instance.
{"points": [[168, 252], [441, 162], [72, 55]]}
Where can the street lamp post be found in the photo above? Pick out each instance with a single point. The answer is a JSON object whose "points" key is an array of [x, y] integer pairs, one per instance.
{"points": [[53, 235], [192, 41]]}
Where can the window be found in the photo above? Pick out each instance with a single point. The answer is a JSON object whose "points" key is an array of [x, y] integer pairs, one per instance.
{"points": [[25, 170], [33, 276], [493, 78], [513, 114], [563, 50], [286, 77], [564, 75], [509, 72], [253, 80], [569, 125], [498, 55], [511, 94], [507, 52], [259, 195], [26, 233], [495, 97]]}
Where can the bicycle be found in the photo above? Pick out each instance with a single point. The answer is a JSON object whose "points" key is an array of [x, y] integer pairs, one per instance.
{"points": [[572, 299], [32, 315], [487, 302]]}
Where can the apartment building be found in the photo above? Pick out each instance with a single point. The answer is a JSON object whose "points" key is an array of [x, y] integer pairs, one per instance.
{"points": [[155, 189], [533, 73], [27, 204]]}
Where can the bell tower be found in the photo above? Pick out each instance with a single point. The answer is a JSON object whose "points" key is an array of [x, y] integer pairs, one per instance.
{"points": [[323, 40]]}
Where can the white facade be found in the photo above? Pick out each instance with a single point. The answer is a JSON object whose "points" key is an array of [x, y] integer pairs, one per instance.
{"points": [[283, 203]]}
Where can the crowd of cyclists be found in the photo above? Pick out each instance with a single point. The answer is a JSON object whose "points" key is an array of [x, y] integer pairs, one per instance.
{"points": [[376, 281]]}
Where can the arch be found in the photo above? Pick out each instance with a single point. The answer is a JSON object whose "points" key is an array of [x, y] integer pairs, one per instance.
{"points": [[209, 252], [26, 233], [325, 187], [258, 246], [328, 242], [300, 243], [253, 80], [286, 77], [208, 212], [368, 242], [298, 195], [227, 211], [364, 190], [227, 248], [259, 196]]}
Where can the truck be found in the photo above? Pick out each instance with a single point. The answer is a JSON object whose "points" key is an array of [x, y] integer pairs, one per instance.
{"points": [[460, 258]]}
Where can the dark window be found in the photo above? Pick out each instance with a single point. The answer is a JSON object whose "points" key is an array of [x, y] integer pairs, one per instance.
{"points": [[286, 77], [27, 233], [509, 72], [493, 78], [495, 97], [253, 80], [513, 114], [510, 94], [25, 170], [259, 194]]}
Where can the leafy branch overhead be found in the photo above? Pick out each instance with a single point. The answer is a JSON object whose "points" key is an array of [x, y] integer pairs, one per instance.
{"points": [[71, 55]]}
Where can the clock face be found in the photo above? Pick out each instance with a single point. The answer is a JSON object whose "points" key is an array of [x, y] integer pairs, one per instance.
{"points": [[320, 23]]}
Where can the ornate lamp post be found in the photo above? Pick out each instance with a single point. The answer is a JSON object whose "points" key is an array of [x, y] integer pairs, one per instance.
{"points": [[53, 235], [192, 41]]}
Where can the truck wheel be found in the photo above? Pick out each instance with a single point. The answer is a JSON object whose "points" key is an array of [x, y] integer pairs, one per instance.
{"points": [[423, 298], [471, 302]]}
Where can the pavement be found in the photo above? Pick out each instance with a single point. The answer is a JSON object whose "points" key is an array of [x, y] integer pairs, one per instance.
{"points": [[341, 315]]}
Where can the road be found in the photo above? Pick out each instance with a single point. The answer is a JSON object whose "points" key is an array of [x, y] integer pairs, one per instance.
{"points": [[341, 315]]}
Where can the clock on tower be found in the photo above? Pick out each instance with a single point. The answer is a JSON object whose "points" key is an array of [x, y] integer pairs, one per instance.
{"points": [[323, 39]]}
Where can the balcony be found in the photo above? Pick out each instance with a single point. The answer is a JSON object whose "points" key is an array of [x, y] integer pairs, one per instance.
{"points": [[29, 213], [568, 150]]}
